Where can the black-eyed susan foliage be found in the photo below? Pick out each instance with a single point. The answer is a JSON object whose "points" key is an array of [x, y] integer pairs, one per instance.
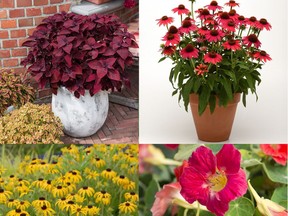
{"points": [[81, 180]]}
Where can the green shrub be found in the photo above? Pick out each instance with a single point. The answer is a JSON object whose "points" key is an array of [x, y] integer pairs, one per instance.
{"points": [[30, 124]]}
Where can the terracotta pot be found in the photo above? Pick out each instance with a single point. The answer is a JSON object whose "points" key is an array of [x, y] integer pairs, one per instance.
{"points": [[215, 127], [98, 1]]}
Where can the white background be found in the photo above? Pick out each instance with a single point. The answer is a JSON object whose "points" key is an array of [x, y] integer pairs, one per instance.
{"points": [[163, 120]]}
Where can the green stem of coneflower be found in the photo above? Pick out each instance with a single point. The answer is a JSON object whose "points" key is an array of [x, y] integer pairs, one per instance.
{"points": [[181, 19], [192, 10], [185, 212], [192, 62], [249, 30]]}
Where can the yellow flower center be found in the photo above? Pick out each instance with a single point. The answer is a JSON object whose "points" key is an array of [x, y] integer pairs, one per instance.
{"points": [[217, 181]]}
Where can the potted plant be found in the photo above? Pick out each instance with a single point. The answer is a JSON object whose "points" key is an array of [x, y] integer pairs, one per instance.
{"points": [[216, 58], [13, 91], [80, 58]]}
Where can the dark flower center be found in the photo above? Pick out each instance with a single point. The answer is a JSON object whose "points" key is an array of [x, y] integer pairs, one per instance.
{"points": [[97, 159], [231, 23], [109, 170], [224, 15], [49, 182], [241, 18], [189, 48], [127, 204], [90, 206], [232, 12], [1, 190], [11, 200], [231, 42], [59, 187], [181, 7], [70, 202], [40, 179], [103, 192], [121, 176], [78, 209], [74, 173], [41, 198], [22, 203], [164, 18], [54, 162], [212, 54], [252, 19], [63, 198], [186, 24], [44, 207], [204, 28], [173, 30], [205, 12], [214, 33], [132, 193], [18, 210], [263, 53], [85, 187], [20, 179], [214, 3], [263, 21], [11, 176], [43, 163], [252, 38], [23, 214], [232, 2], [170, 37]]}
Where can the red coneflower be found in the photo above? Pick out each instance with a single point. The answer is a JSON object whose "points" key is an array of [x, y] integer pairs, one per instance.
{"points": [[252, 21], [165, 20], [168, 50], [201, 69], [232, 4], [262, 56], [214, 35], [171, 39], [241, 20], [173, 30], [189, 52], [232, 45], [181, 10], [214, 6], [223, 17], [203, 30], [262, 23], [187, 27], [210, 21], [204, 14], [230, 26], [233, 15], [251, 40], [212, 57]]}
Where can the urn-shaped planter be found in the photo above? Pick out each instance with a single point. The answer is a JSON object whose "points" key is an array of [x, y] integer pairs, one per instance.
{"points": [[82, 116], [215, 127]]}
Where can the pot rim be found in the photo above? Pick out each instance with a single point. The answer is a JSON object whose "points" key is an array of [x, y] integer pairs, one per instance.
{"points": [[194, 99]]}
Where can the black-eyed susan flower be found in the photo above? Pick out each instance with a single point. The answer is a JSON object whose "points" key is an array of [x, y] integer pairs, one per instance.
{"points": [[99, 162], [127, 207], [69, 205], [4, 195], [120, 180], [93, 175], [47, 185], [23, 181], [131, 196], [22, 189], [86, 191], [61, 203], [23, 205], [102, 197], [38, 183], [70, 187], [130, 186], [73, 150], [131, 158], [12, 203], [78, 210], [17, 212], [41, 202], [108, 173], [45, 211], [59, 191], [78, 198], [2, 170], [74, 176], [92, 210]]}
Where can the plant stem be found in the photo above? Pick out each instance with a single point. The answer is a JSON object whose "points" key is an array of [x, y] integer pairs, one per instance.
{"points": [[185, 212], [192, 10], [198, 209]]}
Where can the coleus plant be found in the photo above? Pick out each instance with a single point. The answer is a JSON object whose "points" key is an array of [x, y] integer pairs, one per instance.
{"points": [[215, 53], [80, 53]]}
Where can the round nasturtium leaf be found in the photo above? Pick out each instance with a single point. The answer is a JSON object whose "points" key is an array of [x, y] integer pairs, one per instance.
{"points": [[241, 207]]}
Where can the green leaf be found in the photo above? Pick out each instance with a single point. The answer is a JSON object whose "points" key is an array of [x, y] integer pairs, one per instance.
{"points": [[280, 196], [250, 81], [249, 159], [152, 189], [162, 59], [228, 89], [212, 103], [276, 173], [187, 90], [196, 85], [185, 151], [215, 148], [241, 207], [203, 99]]}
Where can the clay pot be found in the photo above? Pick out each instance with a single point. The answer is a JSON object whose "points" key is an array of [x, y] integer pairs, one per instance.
{"points": [[215, 127], [98, 1]]}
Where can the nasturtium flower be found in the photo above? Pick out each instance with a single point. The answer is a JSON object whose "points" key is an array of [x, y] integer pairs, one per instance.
{"points": [[102, 197], [212, 180], [127, 207], [277, 151], [131, 196]]}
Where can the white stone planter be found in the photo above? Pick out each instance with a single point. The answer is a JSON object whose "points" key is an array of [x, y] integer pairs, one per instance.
{"points": [[82, 116]]}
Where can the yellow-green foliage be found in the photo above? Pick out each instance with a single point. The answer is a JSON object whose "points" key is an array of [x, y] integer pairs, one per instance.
{"points": [[30, 124], [13, 90]]}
